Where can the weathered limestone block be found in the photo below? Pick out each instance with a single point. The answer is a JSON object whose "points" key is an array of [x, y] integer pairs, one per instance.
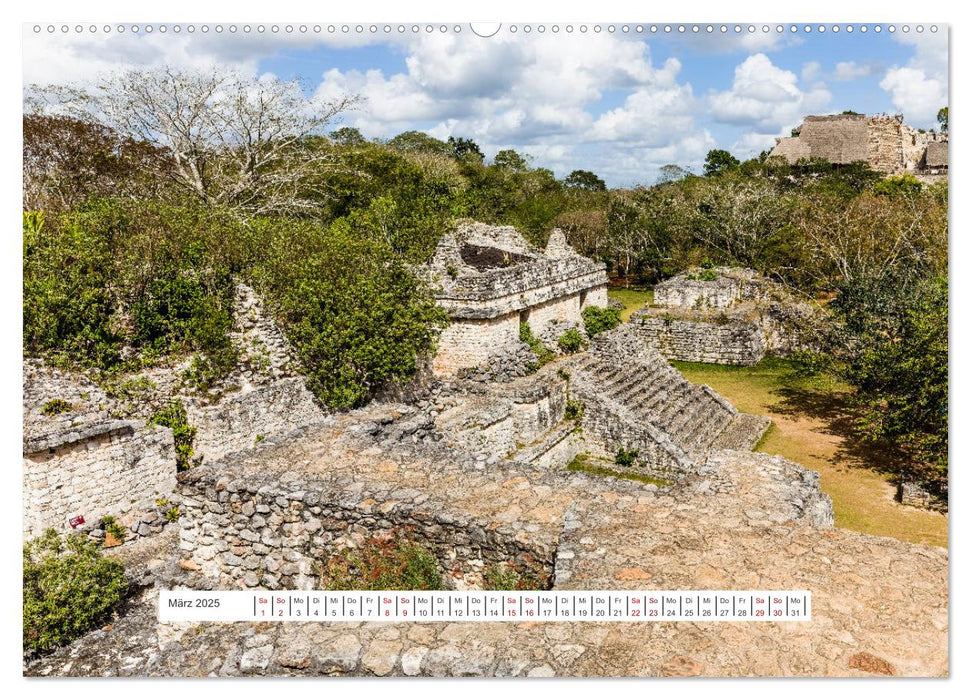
{"points": [[114, 467]]}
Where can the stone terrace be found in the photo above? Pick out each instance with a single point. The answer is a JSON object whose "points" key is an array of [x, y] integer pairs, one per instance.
{"points": [[743, 521]]}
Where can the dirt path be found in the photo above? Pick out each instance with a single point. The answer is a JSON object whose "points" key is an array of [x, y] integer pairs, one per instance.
{"points": [[810, 428]]}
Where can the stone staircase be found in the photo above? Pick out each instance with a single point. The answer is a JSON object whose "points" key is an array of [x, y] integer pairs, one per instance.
{"points": [[652, 393]]}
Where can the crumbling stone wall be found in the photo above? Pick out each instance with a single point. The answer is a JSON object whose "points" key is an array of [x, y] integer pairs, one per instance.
{"points": [[883, 141], [732, 343], [501, 422], [275, 532], [736, 319], [549, 320], [885, 151], [682, 292], [113, 468], [502, 282], [240, 420]]}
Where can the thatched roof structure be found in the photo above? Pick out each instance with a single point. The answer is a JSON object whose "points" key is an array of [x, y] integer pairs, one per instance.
{"points": [[936, 156], [791, 148], [841, 138]]}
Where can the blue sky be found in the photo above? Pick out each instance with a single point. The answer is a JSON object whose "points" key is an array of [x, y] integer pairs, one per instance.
{"points": [[619, 104]]}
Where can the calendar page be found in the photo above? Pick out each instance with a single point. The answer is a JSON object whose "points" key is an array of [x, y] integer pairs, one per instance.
{"points": [[512, 349]]}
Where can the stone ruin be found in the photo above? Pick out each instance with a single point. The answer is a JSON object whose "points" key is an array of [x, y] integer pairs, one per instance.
{"points": [[101, 454], [884, 142], [723, 315], [490, 280], [477, 472]]}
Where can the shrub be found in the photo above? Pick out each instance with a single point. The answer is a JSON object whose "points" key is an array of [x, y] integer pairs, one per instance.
{"points": [[624, 457], [390, 563], [128, 389], [56, 407], [598, 319], [173, 514], [139, 279], [543, 353], [574, 409], [509, 577], [69, 589], [356, 313], [68, 306], [806, 363], [571, 341], [174, 416], [113, 527]]}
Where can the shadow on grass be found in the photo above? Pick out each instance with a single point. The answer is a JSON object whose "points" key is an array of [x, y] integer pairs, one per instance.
{"points": [[835, 410]]}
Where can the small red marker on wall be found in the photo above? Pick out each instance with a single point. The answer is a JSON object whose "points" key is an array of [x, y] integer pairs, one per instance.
{"points": [[76, 520]]}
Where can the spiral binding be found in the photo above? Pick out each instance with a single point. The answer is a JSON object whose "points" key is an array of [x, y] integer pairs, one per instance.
{"points": [[458, 28]]}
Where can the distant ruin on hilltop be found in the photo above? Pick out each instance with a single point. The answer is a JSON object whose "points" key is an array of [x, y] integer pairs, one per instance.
{"points": [[884, 142]]}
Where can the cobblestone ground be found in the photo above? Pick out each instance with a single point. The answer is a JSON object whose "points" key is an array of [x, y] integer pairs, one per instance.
{"points": [[745, 521]]}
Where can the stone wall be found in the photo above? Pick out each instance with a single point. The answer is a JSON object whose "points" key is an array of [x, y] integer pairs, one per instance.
{"points": [[275, 532], [549, 320], [883, 141], [733, 343], [607, 429], [468, 343], [682, 292], [885, 151], [506, 420], [489, 279], [114, 467], [240, 420]]}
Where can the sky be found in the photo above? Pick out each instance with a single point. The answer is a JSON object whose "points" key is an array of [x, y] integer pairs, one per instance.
{"points": [[621, 104]]}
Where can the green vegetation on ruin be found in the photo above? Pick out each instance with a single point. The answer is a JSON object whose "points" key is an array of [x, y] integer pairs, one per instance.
{"points": [[598, 466], [69, 588], [131, 255], [391, 563]]}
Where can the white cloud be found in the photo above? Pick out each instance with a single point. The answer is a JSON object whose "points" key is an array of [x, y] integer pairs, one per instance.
{"points": [[810, 71], [766, 98], [538, 93], [851, 70], [920, 88], [917, 95], [84, 57]]}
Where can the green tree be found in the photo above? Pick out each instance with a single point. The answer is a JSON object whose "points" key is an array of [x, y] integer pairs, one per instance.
{"points": [[718, 161], [942, 119], [897, 343], [419, 141], [358, 316], [347, 136], [509, 159], [585, 180], [462, 148], [671, 173]]}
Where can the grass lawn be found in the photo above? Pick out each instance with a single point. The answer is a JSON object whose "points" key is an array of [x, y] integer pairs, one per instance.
{"points": [[811, 426], [632, 299]]}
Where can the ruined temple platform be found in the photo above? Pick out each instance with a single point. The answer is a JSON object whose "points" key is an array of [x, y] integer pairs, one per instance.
{"points": [[743, 521]]}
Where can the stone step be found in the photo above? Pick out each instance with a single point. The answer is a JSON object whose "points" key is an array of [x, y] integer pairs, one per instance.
{"points": [[658, 395], [691, 413], [700, 441], [688, 431], [743, 433], [553, 437], [641, 383]]}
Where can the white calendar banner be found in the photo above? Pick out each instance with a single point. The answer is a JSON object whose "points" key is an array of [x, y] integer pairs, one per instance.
{"points": [[485, 606]]}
